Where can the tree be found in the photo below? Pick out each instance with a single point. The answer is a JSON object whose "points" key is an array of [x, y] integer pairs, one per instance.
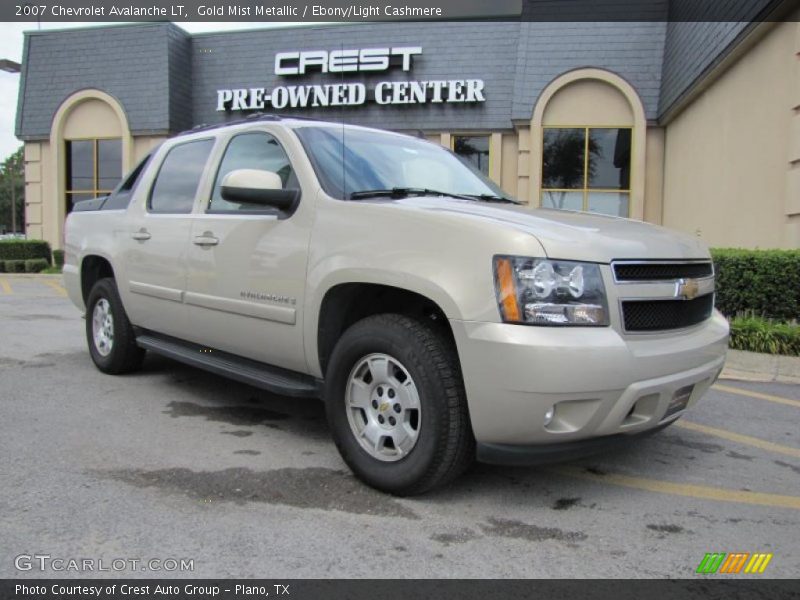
{"points": [[12, 185], [563, 162], [479, 157]]}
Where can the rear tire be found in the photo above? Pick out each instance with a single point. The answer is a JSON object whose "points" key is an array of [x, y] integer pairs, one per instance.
{"points": [[109, 334], [396, 405]]}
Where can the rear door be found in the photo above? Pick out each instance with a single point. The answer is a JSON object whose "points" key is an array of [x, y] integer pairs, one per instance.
{"points": [[155, 243], [247, 263]]}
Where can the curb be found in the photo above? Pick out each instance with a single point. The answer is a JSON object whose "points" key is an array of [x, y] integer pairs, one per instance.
{"points": [[32, 275], [753, 366]]}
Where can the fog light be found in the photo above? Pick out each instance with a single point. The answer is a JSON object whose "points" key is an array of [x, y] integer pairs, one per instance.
{"points": [[548, 416]]}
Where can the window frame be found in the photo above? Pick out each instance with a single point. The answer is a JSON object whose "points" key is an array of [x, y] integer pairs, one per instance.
{"points": [[209, 158], [481, 134], [96, 191], [266, 211], [136, 173], [585, 190]]}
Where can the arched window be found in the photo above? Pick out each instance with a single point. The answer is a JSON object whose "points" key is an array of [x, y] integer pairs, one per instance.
{"points": [[92, 145], [588, 143], [94, 167], [587, 168]]}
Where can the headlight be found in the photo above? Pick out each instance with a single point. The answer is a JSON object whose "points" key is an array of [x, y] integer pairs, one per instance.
{"points": [[538, 291]]}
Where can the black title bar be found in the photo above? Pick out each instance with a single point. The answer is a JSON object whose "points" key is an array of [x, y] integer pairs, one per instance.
{"points": [[705, 587], [354, 11]]}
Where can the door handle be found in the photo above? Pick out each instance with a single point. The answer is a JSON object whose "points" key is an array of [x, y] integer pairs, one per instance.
{"points": [[141, 235], [207, 239]]}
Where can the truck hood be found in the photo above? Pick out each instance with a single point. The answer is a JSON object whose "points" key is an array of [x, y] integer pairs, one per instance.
{"points": [[571, 235]]}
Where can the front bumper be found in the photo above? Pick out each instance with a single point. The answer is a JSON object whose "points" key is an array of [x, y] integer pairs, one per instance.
{"points": [[543, 454], [600, 382]]}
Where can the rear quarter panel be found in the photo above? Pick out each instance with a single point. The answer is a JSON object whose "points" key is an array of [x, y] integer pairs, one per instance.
{"points": [[90, 233]]}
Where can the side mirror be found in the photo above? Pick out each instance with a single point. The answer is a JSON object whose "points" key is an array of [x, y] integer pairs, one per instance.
{"points": [[254, 186]]}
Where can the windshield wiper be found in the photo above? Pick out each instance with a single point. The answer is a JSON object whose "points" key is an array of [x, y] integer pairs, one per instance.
{"points": [[404, 192], [493, 198]]}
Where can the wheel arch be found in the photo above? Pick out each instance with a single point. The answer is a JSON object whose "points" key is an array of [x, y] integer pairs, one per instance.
{"points": [[94, 267], [346, 303]]}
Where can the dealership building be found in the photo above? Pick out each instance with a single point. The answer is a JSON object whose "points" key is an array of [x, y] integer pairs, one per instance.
{"points": [[693, 125]]}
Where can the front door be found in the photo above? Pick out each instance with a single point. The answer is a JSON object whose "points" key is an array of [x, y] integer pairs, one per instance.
{"points": [[247, 264]]}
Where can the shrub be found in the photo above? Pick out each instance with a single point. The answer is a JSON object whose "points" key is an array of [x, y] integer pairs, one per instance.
{"points": [[763, 283], [761, 335], [58, 258], [24, 250], [15, 266], [2, 266], [35, 265]]}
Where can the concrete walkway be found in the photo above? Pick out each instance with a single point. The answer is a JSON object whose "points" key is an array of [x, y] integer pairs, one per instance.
{"points": [[752, 366]]}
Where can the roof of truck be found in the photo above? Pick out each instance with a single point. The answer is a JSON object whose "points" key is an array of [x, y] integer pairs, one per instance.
{"points": [[291, 122]]}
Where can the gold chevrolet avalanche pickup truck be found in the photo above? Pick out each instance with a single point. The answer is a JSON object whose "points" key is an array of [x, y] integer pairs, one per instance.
{"points": [[439, 321]]}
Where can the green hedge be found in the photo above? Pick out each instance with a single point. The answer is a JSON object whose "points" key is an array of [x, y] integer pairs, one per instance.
{"points": [[36, 265], [24, 250], [758, 282], [15, 266], [58, 258], [762, 335]]}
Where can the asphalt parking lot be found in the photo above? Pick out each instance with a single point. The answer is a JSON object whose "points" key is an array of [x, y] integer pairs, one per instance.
{"points": [[176, 463]]}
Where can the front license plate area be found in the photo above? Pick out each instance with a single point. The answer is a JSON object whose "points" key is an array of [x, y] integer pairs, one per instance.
{"points": [[679, 400]]}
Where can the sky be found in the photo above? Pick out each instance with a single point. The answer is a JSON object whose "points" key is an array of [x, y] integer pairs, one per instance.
{"points": [[11, 38]]}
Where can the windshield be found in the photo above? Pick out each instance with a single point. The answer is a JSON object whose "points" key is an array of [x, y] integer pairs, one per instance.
{"points": [[374, 160]]}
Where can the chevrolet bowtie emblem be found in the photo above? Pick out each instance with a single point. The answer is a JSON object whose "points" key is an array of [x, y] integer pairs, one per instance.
{"points": [[686, 288]]}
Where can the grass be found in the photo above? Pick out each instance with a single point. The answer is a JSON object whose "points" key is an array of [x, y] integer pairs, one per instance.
{"points": [[52, 271], [757, 334]]}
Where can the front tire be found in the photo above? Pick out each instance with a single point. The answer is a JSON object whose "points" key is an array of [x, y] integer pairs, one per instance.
{"points": [[109, 334], [396, 405]]}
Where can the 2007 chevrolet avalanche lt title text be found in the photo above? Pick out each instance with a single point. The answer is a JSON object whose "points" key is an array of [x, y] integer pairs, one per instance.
{"points": [[438, 320]]}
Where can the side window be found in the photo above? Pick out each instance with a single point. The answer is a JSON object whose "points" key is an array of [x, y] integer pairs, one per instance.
{"points": [[120, 198], [255, 150], [178, 178]]}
